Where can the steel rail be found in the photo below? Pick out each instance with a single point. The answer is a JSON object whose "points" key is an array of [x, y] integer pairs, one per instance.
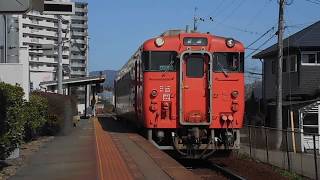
{"points": [[226, 172]]}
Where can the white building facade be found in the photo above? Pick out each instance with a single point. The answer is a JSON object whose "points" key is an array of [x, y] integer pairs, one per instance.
{"points": [[32, 40], [40, 34], [79, 41], [79, 48]]}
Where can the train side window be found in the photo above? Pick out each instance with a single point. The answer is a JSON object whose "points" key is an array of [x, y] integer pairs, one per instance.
{"points": [[195, 67], [159, 61]]}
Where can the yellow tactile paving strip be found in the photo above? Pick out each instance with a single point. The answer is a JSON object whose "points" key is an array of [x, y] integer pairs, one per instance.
{"points": [[111, 165]]}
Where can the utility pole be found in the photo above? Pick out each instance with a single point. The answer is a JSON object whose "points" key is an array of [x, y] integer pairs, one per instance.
{"points": [[279, 69], [59, 71], [5, 19], [195, 19]]}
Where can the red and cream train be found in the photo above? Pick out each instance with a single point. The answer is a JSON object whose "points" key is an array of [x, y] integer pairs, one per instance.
{"points": [[186, 90]]}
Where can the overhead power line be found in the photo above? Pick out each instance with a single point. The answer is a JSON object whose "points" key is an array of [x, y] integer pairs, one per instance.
{"points": [[271, 29], [238, 29], [254, 73], [254, 49], [259, 12], [234, 10], [264, 43], [314, 1]]}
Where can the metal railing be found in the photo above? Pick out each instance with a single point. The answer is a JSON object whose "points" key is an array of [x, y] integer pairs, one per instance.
{"points": [[295, 151]]}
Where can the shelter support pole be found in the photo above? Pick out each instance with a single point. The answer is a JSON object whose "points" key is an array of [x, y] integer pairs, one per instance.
{"points": [[319, 128], [292, 132], [85, 101]]}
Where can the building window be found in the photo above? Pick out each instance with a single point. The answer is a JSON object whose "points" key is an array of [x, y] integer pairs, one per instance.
{"points": [[310, 58], [284, 64], [293, 63]]}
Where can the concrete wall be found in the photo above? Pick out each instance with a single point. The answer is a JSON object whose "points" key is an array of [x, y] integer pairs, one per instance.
{"points": [[38, 77], [17, 73]]}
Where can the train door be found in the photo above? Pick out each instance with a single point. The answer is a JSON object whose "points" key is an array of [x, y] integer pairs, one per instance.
{"points": [[195, 96]]}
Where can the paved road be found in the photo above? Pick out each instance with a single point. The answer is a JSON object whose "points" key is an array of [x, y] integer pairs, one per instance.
{"points": [[65, 158]]}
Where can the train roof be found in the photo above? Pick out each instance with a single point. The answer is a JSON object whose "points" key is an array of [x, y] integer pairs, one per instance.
{"points": [[174, 42]]}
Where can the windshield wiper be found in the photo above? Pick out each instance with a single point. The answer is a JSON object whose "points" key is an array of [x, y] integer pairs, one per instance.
{"points": [[169, 66], [222, 69]]}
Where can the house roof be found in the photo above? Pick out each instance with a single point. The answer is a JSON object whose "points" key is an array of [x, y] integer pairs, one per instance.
{"points": [[308, 37], [296, 103]]}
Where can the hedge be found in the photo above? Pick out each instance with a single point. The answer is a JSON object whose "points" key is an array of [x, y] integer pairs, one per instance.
{"points": [[11, 120], [35, 116], [44, 114]]}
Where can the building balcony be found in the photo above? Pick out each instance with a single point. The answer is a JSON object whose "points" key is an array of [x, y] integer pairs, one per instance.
{"points": [[76, 49], [42, 69], [41, 16], [48, 52], [85, 10], [37, 41], [43, 24], [82, 18], [41, 41], [77, 65], [40, 32], [82, 26], [78, 73], [45, 60], [78, 57], [74, 33], [79, 41]]}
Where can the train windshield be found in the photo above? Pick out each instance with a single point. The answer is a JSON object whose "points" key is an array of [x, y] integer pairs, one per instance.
{"points": [[228, 62], [159, 60]]}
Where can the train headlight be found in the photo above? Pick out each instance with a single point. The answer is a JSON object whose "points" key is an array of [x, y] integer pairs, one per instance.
{"points": [[235, 94], [224, 117], [154, 93], [159, 42], [230, 42]]}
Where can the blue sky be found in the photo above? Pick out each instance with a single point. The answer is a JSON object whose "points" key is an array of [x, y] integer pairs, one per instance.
{"points": [[117, 28]]}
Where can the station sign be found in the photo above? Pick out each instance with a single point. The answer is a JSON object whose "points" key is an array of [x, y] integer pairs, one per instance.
{"points": [[42, 6], [59, 8]]}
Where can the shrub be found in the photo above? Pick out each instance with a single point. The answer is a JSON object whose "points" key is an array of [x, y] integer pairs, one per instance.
{"points": [[11, 121], [34, 115], [52, 126]]}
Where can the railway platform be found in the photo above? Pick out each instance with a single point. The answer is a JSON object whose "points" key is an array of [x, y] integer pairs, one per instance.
{"points": [[102, 148], [123, 154]]}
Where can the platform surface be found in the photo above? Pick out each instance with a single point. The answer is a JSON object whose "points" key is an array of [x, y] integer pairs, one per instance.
{"points": [[66, 157], [105, 149], [137, 157]]}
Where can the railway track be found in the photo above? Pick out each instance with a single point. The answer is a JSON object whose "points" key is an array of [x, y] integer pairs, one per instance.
{"points": [[226, 172], [207, 169]]}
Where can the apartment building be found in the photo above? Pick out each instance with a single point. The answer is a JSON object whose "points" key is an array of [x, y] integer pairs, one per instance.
{"points": [[79, 41], [79, 47], [40, 33]]}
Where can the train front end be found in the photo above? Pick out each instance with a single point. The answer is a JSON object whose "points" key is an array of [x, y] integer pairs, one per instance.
{"points": [[193, 95]]}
